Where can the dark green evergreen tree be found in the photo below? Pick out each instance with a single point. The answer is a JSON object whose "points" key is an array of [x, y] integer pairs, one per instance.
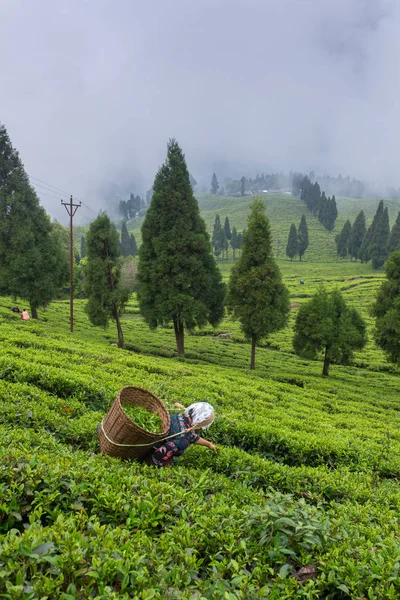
{"points": [[34, 263], [343, 240], [239, 241], [178, 279], [132, 245], [394, 239], [302, 237], [234, 242], [242, 186], [83, 246], [326, 324], [218, 237], [214, 184], [387, 310], [123, 209], [225, 243], [331, 214], [357, 235], [125, 242], [257, 297], [379, 242], [227, 228], [370, 236], [106, 298], [292, 245]]}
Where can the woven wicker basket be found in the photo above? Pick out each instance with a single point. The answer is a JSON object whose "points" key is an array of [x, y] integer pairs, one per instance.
{"points": [[120, 429]]}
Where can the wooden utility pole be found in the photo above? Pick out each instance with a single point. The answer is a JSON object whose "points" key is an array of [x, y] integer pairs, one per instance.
{"points": [[71, 209]]}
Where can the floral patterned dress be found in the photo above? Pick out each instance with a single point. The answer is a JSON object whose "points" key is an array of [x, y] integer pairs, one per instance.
{"points": [[167, 452]]}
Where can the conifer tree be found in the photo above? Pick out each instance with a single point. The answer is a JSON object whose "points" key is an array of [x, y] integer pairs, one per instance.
{"points": [[242, 186], [178, 279], [132, 245], [326, 324], [234, 241], [214, 184], [343, 240], [379, 242], [106, 298], [218, 237], [33, 258], [125, 242], [83, 246], [394, 239], [225, 243], [387, 310], [257, 297], [292, 245], [227, 228], [366, 248], [302, 237], [357, 235]]}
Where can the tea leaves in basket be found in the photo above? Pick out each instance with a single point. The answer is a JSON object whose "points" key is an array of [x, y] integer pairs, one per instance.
{"points": [[142, 417]]}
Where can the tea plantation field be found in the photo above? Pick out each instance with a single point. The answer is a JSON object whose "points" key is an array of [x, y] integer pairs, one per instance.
{"points": [[302, 500]]}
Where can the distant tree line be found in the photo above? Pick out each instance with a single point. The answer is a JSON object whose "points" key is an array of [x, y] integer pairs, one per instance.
{"points": [[223, 237], [317, 203], [373, 244], [129, 209]]}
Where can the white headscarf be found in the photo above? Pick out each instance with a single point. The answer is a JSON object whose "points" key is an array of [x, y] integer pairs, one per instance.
{"points": [[199, 412]]}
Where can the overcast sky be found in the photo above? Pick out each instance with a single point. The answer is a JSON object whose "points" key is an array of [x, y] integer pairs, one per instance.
{"points": [[91, 90]]}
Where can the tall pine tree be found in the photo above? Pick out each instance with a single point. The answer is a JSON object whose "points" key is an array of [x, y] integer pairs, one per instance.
{"points": [[125, 243], [343, 240], [218, 237], [292, 244], [234, 241], [357, 236], [106, 298], [178, 279], [394, 240], [386, 309], [33, 257], [366, 248], [227, 228], [257, 297], [214, 184], [302, 237], [379, 242], [132, 245]]}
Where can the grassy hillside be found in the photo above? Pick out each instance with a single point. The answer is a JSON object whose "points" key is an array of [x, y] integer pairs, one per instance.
{"points": [[306, 476], [283, 210]]}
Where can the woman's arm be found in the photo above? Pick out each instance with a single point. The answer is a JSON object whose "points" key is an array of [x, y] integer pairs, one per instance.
{"points": [[203, 442]]}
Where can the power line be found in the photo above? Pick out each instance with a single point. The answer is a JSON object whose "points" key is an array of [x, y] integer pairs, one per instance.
{"points": [[49, 185]]}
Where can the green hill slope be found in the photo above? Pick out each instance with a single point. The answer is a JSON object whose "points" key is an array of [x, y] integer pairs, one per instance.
{"points": [[283, 210]]}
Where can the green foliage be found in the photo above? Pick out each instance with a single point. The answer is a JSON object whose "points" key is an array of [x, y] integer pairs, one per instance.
{"points": [[106, 299], [257, 297], [394, 239], [178, 279], [292, 244], [33, 257], [386, 309], [142, 417], [375, 244], [125, 241], [83, 247], [214, 184], [325, 323], [227, 229], [302, 237], [132, 245], [343, 240], [218, 237], [357, 235]]}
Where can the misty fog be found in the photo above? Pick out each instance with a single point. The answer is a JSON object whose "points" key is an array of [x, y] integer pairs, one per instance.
{"points": [[91, 91]]}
